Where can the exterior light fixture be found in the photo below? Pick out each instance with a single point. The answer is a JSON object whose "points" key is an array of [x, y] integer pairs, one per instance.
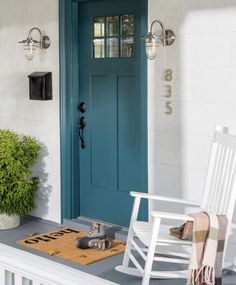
{"points": [[30, 44], [153, 41]]}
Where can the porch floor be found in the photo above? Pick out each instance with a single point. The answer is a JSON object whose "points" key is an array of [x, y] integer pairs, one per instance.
{"points": [[103, 269]]}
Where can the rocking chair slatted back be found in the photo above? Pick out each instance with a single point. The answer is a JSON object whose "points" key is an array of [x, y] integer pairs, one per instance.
{"points": [[220, 187]]}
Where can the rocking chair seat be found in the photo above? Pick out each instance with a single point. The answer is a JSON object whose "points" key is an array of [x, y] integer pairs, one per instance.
{"points": [[143, 230]]}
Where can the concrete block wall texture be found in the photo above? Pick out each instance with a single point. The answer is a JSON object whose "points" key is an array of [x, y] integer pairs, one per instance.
{"points": [[17, 112], [203, 61]]}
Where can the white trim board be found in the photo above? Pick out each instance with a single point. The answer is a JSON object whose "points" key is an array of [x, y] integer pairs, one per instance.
{"points": [[33, 266]]}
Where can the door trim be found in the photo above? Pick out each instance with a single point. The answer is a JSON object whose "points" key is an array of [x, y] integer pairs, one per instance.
{"points": [[68, 38]]}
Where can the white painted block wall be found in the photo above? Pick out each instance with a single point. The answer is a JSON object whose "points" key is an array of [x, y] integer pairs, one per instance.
{"points": [[17, 112], [203, 60]]}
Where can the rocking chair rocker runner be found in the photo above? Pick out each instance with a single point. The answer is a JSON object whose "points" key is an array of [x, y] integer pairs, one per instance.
{"points": [[152, 241]]}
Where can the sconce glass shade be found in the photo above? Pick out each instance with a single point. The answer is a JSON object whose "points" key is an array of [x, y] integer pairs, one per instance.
{"points": [[30, 45], [151, 44], [29, 50]]}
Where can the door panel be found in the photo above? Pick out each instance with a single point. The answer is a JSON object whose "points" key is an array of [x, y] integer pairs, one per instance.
{"points": [[112, 163], [128, 136], [99, 133]]}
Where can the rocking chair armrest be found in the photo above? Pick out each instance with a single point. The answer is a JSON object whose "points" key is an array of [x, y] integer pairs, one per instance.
{"points": [[164, 198], [171, 216]]}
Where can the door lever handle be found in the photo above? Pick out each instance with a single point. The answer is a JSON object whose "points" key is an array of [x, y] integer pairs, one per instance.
{"points": [[82, 122], [80, 130]]}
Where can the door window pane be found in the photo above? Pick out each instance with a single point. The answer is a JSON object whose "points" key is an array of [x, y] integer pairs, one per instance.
{"points": [[112, 47], [98, 48], [112, 26], [127, 47], [127, 25], [98, 26], [113, 36]]}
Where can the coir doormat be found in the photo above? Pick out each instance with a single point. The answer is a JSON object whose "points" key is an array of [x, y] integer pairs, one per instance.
{"points": [[62, 243]]}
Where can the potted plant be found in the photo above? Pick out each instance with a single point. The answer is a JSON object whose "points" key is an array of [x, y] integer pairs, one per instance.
{"points": [[18, 153]]}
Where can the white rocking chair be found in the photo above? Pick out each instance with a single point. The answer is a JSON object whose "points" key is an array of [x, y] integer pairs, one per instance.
{"points": [[152, 241]]}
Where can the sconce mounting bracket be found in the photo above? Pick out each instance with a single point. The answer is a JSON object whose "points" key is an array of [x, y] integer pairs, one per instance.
{"points": [[46, 42], [169, 38]]}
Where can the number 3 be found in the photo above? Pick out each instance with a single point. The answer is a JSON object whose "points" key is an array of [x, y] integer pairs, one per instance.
{"points": [[169, 91]]}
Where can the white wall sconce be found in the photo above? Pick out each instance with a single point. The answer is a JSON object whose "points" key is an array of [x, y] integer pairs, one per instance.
{"points": [[30, 45], [153, 41]]}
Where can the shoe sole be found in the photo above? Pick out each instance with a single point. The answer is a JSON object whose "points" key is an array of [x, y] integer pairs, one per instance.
{"points": [[106, 244]]}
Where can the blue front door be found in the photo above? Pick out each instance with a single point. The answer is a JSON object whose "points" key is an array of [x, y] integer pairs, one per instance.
{"points": [[112, 88]]}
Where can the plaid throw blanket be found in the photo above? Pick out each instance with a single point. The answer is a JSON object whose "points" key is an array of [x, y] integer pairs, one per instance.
{"points": [[208, 235], [223, 223]]}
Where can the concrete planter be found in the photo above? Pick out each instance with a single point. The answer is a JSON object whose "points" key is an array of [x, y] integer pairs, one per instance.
{"points": [[9, 222]]}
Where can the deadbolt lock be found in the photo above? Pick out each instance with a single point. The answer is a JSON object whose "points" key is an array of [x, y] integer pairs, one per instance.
{"points": [[82, 107]]}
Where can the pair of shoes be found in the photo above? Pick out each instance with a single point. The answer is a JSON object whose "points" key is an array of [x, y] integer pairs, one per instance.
{"points": [[99, 243], [97, 230], [96, 238]]}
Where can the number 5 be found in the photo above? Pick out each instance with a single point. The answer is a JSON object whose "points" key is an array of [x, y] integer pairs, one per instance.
{"points": [[169, 108]]}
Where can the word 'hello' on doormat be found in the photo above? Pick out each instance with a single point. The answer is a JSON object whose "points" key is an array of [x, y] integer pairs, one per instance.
{"points": [[62, 244]]}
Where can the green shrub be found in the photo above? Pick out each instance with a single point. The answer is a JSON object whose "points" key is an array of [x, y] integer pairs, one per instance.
{"points": [[17, 186]]}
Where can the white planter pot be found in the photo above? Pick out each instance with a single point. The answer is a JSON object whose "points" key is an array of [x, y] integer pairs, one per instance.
{"points": [[9, 222]]}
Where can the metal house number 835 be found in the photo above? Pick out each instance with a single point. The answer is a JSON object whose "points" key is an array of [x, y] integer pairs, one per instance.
{"points": [[168, 78]]}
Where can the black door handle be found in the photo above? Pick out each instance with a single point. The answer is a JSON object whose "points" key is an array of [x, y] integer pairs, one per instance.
{"points": [[82, 122], [80, 130]]}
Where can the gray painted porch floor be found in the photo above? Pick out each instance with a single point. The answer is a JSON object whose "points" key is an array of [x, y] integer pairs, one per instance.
{"points": [[104, 269]]}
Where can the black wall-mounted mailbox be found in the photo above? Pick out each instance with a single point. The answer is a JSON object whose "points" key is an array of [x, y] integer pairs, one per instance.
{"points": [[40, 86]]}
